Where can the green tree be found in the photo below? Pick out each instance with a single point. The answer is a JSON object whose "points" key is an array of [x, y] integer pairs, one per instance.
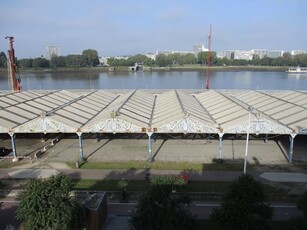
{"points": [[243, 207], [2, 60], [159, 209], [162, 60], [40, 63], [91, 57], [47, 203], [188, 59], [202, 57], [25, 63], [75, 60], [57, 61]]}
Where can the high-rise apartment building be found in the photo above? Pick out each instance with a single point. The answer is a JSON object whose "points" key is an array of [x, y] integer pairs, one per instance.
{"points": [[275, 53], [261, 53], [199, 48], [52, 51]]}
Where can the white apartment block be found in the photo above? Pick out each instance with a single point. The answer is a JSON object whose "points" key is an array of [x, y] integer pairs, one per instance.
{"points": [[199, 48], [52, 51], [151, 55], [296, 52], [167, 52], [260, 52], [275, 53], [243, 54]]}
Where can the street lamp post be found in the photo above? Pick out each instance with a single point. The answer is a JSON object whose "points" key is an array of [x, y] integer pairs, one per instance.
{"points": [[247, 138]]}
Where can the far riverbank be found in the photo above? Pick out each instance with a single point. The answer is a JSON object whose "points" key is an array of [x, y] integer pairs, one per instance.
{"points": [[151, 69]]}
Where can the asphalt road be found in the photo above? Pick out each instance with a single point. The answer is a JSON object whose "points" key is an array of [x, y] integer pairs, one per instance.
{"points": [[282, 212]]}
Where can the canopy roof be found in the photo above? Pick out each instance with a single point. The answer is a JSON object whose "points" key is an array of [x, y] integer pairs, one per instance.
{"points": [[136, 111]]}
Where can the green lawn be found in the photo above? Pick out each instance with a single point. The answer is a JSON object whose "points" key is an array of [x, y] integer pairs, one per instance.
{"points": [[182, 166]]}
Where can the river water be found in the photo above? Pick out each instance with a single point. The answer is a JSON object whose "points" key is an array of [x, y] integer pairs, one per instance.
{"points": [[159, 80]]}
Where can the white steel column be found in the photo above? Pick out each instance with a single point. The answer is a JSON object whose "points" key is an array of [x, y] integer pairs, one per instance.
{"points": [[79, 133], [247, 138], [220, 146], [292, 136], [149, 147], [11, 133]]}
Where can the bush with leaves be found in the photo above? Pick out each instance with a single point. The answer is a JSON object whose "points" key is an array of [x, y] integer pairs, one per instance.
{"points": [[47, 203], [243, 207], [173, 182], [302, 205], [159, 209]]}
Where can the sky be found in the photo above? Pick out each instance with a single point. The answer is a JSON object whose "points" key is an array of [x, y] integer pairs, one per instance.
{"points": [[128, 27]]}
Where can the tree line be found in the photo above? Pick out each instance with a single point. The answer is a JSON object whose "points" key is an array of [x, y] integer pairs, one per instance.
{"points": [[90, 58], [48, 204]]}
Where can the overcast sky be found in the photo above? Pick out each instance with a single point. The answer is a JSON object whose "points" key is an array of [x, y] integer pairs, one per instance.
{"points": [[120, 27]]}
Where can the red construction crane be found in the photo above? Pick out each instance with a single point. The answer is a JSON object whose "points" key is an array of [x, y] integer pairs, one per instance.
{"points": [[12, 67], [209, 60]]}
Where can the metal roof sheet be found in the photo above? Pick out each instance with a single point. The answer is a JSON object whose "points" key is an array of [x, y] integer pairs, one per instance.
{"points": [[171, 111]]}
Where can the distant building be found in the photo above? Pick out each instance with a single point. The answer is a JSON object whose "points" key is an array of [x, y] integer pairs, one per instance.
{"points": [[165, 52], [151, 55], [261, 53], [199, 48], [296, 52], [103, 61], [243, 54], [168, 52], [229, 54], [52, 51], [124, 57], [275, 53]]}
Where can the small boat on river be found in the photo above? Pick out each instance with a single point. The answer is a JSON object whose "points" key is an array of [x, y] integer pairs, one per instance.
{"points": [[297, 70]]}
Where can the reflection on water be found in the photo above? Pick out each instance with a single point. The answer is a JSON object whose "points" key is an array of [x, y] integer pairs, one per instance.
{"points": [[159, 80]]}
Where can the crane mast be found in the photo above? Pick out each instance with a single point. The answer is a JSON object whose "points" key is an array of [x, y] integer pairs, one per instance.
{"points": [[12, 67], [209, 59]]}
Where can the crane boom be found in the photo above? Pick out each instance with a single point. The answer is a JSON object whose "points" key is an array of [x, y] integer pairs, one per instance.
{"points": [[12, 67]]}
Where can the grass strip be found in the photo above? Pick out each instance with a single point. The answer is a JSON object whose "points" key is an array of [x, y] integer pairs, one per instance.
{"points": [[182, 166]]}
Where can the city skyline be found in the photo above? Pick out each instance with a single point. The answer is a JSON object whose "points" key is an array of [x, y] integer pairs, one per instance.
{"points": [[131, 27]]}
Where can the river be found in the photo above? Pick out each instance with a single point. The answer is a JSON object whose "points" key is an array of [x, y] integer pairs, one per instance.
{"points": [[159, 80]]}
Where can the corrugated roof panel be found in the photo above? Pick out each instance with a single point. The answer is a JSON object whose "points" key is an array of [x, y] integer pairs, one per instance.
{"points": [[7, 124], [3, 104], [230, 117], [29, 108], [39, 106], [300, 125], [54, 97], [73, 117], [227, 112], [273, 106], [46, 103], [8, 100], [296, 117], [288, 112], [81, 108], [15, 98], [216, 110], [66, 121], [80, 113], [265, 102], [131, 117], [18, 111], [14, 118], [86, 105]]}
